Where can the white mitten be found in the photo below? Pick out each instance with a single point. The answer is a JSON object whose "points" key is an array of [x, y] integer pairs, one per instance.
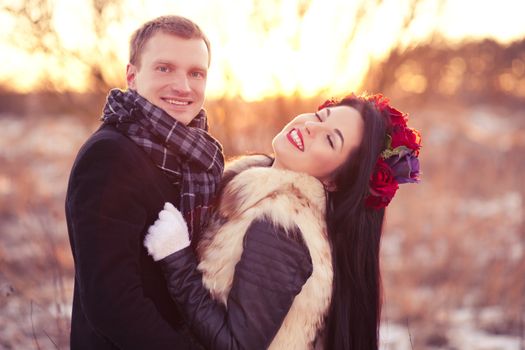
{"points": [[168, 234]]}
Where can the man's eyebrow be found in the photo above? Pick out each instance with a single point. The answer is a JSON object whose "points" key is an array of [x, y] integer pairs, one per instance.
{"points": [[201, 68], [328, 112], [340, 134], [162, 61]]}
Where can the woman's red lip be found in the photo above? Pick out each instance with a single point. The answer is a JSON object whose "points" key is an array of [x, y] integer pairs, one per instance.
{"points": [[292, 141]]}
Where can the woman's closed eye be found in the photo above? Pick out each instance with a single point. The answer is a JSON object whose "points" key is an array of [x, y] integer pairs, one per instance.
{"points": [[329, 138]]}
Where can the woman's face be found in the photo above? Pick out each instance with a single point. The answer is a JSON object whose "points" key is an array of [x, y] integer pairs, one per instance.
{"points": [[318, 143]]}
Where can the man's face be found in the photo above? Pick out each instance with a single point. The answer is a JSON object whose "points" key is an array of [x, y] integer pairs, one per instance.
{"points": [[171, 74]]}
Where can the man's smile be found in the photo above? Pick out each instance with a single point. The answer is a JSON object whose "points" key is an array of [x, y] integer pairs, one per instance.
{"points": [[176, 102]]}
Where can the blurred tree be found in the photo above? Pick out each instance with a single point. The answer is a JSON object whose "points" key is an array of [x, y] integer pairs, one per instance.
{"points": [[474, 72], [35, 31]]}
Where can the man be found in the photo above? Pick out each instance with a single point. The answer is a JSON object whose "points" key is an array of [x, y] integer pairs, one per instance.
{"points": [[152, 148]]}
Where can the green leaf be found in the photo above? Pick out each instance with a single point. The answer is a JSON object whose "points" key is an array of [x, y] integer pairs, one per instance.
{"points": [[387, 153]]}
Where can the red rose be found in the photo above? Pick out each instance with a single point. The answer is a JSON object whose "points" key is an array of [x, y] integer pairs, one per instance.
{"points": [[413, 138], [404, 136], [328, 103], [397, 117], [380, 101], [383, 186]]}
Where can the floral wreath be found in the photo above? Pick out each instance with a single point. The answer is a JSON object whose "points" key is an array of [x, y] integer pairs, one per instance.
{"points": [[398, 163]]}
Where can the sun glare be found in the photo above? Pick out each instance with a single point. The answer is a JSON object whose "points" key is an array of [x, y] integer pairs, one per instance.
{"points": [[262, 49]]}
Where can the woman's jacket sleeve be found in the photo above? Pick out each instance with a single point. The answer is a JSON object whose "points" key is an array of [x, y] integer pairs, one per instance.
{"points": [[271, 272]]}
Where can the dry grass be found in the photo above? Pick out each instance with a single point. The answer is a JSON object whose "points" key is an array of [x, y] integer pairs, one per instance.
{"points": [[453, 244]]}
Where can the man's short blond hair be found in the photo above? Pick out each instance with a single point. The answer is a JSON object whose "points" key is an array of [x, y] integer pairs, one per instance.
{"points": [[174, 25]]}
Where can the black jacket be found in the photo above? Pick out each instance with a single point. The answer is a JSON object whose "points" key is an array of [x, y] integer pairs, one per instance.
{"points": [[271, 272], [120, 298]]}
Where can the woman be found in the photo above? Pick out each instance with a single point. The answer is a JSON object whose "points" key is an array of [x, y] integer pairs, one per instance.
{"points": [[291, 257]]}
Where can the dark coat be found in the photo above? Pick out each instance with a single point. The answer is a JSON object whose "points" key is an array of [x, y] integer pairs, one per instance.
{"points": [[121, 300], [272, 270]]}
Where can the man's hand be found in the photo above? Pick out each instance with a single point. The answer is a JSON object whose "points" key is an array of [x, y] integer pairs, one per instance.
{"points": [[168, 234]]}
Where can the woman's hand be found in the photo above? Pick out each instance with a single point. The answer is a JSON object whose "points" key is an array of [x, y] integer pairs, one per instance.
{"points": [[168, 234]]}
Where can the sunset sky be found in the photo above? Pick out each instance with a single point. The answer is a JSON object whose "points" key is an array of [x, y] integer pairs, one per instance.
{"points": [[263, 48]]}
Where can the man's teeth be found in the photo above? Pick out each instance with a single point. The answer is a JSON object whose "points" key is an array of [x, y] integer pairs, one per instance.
{"points": [[296, 138], [177, 102]]}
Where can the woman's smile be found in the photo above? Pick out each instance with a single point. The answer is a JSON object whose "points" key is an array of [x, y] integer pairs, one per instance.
{"points": [[296, 138]]}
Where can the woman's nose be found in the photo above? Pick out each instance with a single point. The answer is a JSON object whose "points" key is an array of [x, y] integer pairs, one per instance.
{"points": [[312, 127]]}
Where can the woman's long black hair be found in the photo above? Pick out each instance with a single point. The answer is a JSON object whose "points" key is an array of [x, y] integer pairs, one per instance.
{"points": [[355, 235]]}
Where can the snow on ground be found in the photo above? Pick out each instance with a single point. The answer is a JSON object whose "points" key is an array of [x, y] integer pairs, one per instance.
{"points": [[36, 266]]}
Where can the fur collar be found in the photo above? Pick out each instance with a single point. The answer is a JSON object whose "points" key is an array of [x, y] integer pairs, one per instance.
{"points": [[255, 180], [288, 199]]}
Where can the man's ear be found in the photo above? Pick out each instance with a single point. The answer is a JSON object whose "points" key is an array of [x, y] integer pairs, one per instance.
{"points": [[329, 185], [131, 73]]}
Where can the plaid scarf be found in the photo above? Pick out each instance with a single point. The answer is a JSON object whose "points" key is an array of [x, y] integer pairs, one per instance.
{"points": [[188, 155]]}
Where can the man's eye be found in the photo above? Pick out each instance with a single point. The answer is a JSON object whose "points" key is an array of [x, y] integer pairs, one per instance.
{"points": [[198, 75], [163, 69]]}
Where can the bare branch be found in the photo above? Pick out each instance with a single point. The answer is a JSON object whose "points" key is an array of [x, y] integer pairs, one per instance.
{"points": [[35, 32], [33, 327]]}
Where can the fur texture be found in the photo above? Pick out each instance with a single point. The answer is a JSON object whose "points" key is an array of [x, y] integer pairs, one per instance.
{"points": [[285, 198]]}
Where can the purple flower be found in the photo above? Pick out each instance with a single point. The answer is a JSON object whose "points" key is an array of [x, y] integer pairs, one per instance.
{"points": [[405, 166]]}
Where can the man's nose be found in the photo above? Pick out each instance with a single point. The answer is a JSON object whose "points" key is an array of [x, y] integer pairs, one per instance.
{"points": [[180, 83]]}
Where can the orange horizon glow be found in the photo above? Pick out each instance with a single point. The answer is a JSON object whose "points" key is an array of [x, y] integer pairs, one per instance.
{"points": [[293, 55]]}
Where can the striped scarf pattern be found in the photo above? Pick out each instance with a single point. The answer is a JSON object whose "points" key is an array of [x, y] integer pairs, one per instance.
{"points": [[189, 156]]}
